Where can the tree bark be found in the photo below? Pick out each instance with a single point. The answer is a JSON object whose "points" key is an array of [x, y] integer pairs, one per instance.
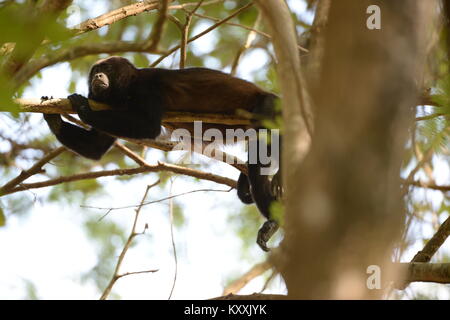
{"points": [[343, 204]]}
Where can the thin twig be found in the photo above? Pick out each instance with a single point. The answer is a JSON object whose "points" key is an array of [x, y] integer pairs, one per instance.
{"points": [[157, 201], [266, 35], [36, 168], [158, 27], [174, 248], [116, 276], [427, 185], [185, 34], [215, 26], [248, 42]]}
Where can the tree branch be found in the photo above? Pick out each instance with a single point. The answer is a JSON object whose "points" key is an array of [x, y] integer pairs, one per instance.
{"points": [[216, 25], [424, 272], [127, 11], [426, 185], [36, 168], [117, 172], [116, 276], [28, 70], [63, 106], [242, 281]]}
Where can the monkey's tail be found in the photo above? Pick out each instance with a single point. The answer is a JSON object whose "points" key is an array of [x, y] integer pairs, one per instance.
{"points": [[260, 189], [243, 189]]}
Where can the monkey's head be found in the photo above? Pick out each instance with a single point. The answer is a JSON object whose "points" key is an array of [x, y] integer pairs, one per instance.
{"points": [[110, 78]]}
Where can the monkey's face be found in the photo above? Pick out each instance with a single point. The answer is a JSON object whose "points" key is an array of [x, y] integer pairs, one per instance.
{"points": [[99, 82], [109, 77]]}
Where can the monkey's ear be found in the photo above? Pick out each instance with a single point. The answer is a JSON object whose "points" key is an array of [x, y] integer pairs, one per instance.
{"points": [[124, 75]]}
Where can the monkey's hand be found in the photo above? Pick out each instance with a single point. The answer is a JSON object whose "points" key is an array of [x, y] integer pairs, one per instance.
{"points": [[79, 103], [265, 233], [54, 122], [45, 98]]}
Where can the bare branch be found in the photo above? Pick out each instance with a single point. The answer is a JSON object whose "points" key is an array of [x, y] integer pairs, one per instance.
{"points": [[116, 276], [185, 33], [426, 185], [121, 172], [261, 33], [172, 238], [127, 11], [158, 27], [431, 116], [434, 243], [248, 42], [36, 168], [215, 26], [242, 281], [156, 201]]}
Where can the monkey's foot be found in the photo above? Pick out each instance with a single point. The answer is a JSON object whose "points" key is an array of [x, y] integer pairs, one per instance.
{"points": [[265, 233]]}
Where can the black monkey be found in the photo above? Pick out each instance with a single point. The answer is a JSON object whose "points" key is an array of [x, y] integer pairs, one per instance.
{"points": [[138, 99]]}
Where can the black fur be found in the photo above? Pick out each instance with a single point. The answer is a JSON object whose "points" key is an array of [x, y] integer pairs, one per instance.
{"points": [[139, 98]]}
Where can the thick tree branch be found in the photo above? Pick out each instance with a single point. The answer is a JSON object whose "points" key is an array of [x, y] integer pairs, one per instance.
{"points": [[127, 11], [425, 272], [63, 106]]}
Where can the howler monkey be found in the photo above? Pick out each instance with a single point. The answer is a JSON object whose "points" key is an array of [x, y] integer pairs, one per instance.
{"points": [[138, 99]]}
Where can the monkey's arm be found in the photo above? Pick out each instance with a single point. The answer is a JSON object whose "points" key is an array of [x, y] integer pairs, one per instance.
{"points": [[91, 143], [137, 124]]}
